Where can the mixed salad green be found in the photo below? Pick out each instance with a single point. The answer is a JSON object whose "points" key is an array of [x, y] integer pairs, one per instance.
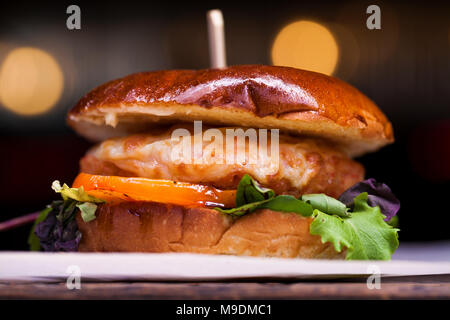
{"points": [[360, 221]]}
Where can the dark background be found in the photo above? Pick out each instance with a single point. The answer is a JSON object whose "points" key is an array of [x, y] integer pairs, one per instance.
{"points": [[404, 68]]}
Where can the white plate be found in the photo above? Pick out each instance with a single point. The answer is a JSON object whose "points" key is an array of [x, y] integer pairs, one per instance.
{"points": [[31, 266]]}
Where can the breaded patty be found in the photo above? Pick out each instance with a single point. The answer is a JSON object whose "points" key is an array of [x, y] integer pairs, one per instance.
{"points": [[305, 165]]}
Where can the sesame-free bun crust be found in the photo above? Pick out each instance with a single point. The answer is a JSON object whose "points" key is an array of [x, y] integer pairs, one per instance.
{"points": [[156, 227], [295, 101]]}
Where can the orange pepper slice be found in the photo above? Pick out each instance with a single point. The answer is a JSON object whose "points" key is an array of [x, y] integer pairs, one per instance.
{"points": [[114, 188]]}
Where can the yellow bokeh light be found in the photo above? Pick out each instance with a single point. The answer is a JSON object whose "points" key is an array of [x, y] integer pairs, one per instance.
{"points": [[31, 81], [306, 45]]}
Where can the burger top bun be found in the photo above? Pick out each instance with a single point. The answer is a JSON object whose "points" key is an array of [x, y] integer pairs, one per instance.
{"points": [[295, 101]]}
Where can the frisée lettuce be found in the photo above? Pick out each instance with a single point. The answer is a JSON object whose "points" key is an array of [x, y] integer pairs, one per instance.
{"points": [[365, 234]]}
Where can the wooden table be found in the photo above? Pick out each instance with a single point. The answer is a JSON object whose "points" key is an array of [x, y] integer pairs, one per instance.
{"points": [[419, 287]]}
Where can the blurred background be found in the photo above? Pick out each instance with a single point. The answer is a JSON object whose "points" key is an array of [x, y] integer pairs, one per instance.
{"points": [[404, 67]]}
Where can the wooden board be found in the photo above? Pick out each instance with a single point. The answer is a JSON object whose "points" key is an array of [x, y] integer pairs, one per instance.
{"points": [[424, 287]]}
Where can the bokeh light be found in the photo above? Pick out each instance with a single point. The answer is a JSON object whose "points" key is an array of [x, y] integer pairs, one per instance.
{"points": [[31, 81], [306, 45]]}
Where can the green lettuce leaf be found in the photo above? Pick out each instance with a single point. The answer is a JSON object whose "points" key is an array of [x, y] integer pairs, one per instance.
{"points": [[326, 204], [283, 203], [244, 209], [83, 201], [77, 194], [250, 191], [87, 210], [250, 195], [393, 222], [364, 234], [286, 203]]}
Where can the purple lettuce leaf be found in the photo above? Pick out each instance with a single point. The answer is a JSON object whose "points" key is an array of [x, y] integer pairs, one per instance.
{"points": [[59, 230], [379, 195]]}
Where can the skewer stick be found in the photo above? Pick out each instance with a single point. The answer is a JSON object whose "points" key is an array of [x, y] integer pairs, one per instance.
{"points": [[216, 37], [19, 221]]}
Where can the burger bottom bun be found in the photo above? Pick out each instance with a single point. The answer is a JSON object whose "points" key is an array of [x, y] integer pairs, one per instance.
{"points": [[156, 227]]}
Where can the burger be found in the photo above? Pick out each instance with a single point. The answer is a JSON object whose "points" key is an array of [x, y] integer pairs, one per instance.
{"points": [[306, 198]]}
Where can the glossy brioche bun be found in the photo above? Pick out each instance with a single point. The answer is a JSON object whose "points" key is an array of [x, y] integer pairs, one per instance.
{"points": [[292, 100], [156, 227]]}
